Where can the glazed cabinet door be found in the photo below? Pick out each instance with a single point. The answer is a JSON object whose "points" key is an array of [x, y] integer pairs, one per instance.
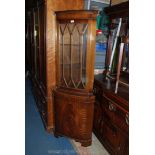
{"points": [[72, 54], [76, 35]]}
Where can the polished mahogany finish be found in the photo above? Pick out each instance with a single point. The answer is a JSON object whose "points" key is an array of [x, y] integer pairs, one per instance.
{"points": [[74, 114], [73, 97], [111, 116], [51, 7], [111, 109], [119, 10]]}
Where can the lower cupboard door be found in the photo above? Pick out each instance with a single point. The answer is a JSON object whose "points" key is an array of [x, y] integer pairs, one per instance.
{"points": [[111, 135]]}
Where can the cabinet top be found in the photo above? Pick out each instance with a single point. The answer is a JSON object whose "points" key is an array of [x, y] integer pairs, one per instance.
{"points": [[77, 14], [118, 11]]}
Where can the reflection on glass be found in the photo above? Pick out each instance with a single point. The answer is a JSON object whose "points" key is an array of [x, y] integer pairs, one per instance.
{"points": [[73, 55]]}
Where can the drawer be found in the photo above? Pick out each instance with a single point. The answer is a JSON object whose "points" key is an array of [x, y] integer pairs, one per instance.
{"points": [[115, 113], [111, 135], [97, 116]]}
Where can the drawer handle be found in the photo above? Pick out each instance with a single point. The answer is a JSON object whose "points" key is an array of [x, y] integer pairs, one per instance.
{"points": [[127, 119], [111, 107]]}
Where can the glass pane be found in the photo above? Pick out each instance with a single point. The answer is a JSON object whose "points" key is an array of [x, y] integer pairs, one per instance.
{"points": [[76, 56], [73, 55], [84, 49], [65, 55], [61, 55]]}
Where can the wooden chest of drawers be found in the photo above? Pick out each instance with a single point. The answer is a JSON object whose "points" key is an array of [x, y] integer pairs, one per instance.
{"points": [[111, 123]]}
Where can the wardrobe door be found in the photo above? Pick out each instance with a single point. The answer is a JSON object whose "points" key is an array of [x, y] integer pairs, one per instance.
{"points": [[42, 49], [36, 44]]}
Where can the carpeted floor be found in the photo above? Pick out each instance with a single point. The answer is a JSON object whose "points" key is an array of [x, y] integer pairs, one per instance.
{"points": [[37, 140]]}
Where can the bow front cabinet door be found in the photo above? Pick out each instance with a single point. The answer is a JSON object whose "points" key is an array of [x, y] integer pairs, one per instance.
{"points": [[73, 96]]}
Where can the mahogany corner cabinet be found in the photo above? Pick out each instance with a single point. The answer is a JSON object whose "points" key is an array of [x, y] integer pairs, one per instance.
{"points": [[73, 95]]}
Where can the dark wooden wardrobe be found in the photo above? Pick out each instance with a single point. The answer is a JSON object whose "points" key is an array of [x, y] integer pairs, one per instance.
{"points": [[41, 50]]}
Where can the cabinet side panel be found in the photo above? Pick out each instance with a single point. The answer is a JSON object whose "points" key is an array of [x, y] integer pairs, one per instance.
{"points": [[91, 39], [50, 63], [51, 7]]}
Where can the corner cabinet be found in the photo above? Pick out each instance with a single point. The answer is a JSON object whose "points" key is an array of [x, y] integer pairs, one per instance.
{"points": [[73, 96]]}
